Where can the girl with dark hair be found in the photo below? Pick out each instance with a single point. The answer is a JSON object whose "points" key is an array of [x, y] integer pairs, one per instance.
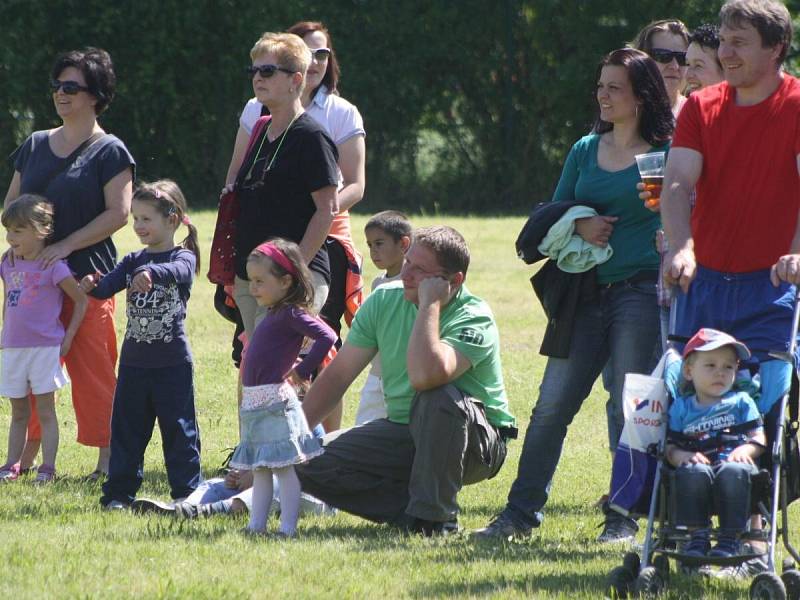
{"points": [[666, 42], [155, 368], [274, 432], [616, 318], [87, 175]]}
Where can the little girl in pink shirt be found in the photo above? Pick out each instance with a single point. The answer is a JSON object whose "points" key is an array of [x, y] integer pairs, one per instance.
{"points": [[33, 339]]}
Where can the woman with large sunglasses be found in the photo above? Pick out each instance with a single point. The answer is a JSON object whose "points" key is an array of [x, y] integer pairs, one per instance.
{"points": [[87, 175], [666, 42], [343, 123], [286, 185], [615, 318]]}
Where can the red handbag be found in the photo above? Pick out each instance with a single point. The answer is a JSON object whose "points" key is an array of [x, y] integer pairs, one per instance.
{"points": [[222, 263]]}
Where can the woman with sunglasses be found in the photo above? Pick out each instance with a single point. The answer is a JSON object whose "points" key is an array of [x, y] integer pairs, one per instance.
{"points": [[286, 184], [87, 175], [616, 318], [343, 123], [666, 42]]}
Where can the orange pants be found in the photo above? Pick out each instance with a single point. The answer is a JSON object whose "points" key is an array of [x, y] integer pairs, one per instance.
{"points": [[91, 364]]}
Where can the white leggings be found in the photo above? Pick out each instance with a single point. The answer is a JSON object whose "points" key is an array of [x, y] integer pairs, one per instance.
{"points": [[289, 492]]}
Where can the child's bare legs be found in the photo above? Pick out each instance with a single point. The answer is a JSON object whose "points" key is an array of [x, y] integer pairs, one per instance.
{"points": [[289, 490], [262, 499], [17, 429], [29, 454], [46, 406]]}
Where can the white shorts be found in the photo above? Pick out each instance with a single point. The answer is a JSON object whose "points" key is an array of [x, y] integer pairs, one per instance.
{"points": [[37, 370]]}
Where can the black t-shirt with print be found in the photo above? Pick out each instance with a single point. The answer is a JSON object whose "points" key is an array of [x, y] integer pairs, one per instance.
{"points": [[276, 201]]}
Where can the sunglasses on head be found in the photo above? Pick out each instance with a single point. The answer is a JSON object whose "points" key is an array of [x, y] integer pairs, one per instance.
{"points": [[68, 87], [320, 54], [665, 56], [266, 71]]}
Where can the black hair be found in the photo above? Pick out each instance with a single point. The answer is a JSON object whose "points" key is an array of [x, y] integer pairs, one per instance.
{"points": [[656, 122], [97, 69], [393, 222]]}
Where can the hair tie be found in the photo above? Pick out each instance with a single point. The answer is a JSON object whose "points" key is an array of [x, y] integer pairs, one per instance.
{"points": [[185, 220], [270, 250]]}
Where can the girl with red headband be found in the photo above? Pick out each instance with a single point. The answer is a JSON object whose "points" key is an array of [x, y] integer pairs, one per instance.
{"points": [[274, 432], [155, 379]]}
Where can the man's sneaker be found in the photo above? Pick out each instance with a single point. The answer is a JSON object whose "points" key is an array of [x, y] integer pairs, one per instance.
{"points": [[9, 473], [45, 474], [116, 505], [146, 505], [617, 528], [187, 510], [747, 570], [502, 528]]}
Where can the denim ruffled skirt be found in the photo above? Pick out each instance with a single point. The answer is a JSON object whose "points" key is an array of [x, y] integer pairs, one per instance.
{"points": [[274, 430]]}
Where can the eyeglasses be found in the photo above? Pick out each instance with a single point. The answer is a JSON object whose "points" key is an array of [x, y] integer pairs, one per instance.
{"points": [[69, 87], [266, 71], [320, 54], [665, 56]]}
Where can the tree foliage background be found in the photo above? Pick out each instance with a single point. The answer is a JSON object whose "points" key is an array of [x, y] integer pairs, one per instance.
{"points": [[469, 105]]}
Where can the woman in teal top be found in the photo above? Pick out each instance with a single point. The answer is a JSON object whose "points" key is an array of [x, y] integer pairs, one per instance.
{"points": [[622, 322]]}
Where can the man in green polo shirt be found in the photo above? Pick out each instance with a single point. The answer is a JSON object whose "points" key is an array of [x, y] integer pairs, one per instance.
{"points": [[448, 418]]}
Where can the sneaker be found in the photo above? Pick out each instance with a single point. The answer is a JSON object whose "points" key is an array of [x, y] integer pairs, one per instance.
{"points": [[698, 545], [501, 528], [9, 473], [115, 505], [146, 505], [45, 474], [726, 547], [617, 528], [187, 510], [745, 571]]}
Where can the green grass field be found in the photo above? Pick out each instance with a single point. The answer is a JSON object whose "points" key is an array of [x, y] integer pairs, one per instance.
{"points": [[56, 542]]}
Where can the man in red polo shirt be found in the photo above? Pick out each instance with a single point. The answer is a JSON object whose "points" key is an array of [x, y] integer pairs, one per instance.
{"points": [[736, 254]]}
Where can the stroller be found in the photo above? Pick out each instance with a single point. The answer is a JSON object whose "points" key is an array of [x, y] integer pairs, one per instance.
{"points": [[772, 490]]}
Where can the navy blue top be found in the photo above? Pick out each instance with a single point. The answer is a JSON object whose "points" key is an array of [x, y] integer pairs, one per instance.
{"points": [[76, 193], [155, 336]]}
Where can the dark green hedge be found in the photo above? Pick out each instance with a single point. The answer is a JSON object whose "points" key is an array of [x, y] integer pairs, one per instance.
{"points": [[469, 105]]}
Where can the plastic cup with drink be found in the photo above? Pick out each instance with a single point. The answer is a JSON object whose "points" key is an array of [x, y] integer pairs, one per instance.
{"points": [[651, 170]]}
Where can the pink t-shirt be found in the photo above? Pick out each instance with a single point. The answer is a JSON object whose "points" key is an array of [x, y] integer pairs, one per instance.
{"points": [[32, 303]]}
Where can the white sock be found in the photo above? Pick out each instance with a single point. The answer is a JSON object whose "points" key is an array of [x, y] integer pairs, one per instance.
{"points": [[262, 498], [289, 490]]}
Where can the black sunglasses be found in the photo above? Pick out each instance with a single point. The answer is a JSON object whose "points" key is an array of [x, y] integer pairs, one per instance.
{"points": [[320, 54], [69, 87], [266, 71], [665, 56]]}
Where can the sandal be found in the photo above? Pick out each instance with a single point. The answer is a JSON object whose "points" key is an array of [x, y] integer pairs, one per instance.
{"points": [[95, 476], [45, 474], [9, 472]]}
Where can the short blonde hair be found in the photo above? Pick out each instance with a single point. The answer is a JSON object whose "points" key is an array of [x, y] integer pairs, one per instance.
{"points": [[290, 50]]}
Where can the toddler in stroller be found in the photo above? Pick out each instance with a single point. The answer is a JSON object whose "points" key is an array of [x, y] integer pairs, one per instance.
{"points": [[715, 436], [704, 464]]}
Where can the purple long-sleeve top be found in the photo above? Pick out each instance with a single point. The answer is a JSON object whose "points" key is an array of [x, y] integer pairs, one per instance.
{"points": [[276, 342]]}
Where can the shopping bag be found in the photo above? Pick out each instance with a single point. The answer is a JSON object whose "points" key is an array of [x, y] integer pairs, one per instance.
{"points": [[645, 405]]}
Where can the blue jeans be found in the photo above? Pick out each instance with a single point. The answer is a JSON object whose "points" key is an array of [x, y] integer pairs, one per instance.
{"points": [[723, 488], [622, 325]]}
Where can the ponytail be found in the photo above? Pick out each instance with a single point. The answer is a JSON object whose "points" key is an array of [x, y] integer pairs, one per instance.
{"points": [[168, 198]]}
